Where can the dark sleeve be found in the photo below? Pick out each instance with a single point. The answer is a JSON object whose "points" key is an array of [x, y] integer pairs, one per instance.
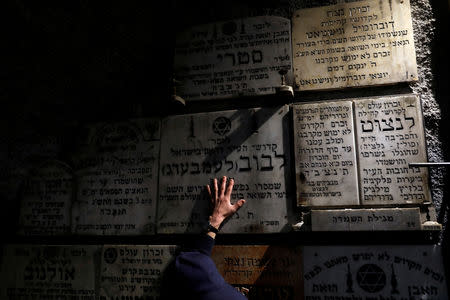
{"points": [[197, 274]]}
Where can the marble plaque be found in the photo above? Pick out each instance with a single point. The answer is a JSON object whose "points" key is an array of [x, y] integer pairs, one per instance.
{"points": [[352, 44], [251, 146], [117, 174], [133, 272], [390, 135], [240, 57], [267, 272], [325, 159], [48, 272], [374, 272], [366, 219], [46, 200]]}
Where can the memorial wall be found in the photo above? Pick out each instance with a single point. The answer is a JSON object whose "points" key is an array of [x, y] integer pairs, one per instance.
{"points": [[337, 206]]}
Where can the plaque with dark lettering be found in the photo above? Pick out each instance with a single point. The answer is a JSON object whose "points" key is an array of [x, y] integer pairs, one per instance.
{"points": [[390, 135], [251, 146], [262, 272], [48, 272], [325, 159], [240, 57], [353, 44], [133, 272], [117, 179], [374, 272], [46, 200]]}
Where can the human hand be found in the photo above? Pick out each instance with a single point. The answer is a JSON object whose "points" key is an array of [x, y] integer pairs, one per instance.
{"points": [[220, 200]]}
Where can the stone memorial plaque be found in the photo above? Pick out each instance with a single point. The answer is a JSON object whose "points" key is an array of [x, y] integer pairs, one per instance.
{"points": [[268, 272], [360, 43], [133, 272], [251, 146], [325, 159], [48, 272], [366, 219], [374, 272], [117, 174], [390, 135], [46, 200], [240, 57]]}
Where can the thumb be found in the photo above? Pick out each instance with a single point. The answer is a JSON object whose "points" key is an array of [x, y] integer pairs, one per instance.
{"points": [[239, 204]]}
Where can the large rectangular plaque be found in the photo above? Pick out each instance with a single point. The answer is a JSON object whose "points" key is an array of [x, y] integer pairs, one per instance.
{"points": [[117, 174], [390, 135], [251, 146], [325, 159], [48, 272], [366, 219], [234, 58], [267, 272], [360, 43], [133, 272], [374, 272]]}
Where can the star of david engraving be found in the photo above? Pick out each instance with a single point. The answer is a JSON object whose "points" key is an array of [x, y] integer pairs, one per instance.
{"points": [[110, 255], [221, 126], [371, 278]]}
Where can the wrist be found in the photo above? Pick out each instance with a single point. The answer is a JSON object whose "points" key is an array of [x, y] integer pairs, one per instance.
{"points": [[215, 221]]}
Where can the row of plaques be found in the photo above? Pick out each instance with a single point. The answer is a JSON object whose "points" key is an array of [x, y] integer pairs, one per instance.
{"points": [[344, 45], [138, 177], [262, 272]]}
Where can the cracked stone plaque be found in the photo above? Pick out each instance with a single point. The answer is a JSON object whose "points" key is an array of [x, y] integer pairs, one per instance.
{"points": [[241, 57], [251, 146], [353, 44], [374, 272], [390, 135], [262, 272], [117, 174], [133, 272], [48, 272], [325, 159]]}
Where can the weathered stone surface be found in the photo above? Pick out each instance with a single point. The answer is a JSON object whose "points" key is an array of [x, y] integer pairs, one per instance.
{"points": [[366, 219], [268, 272], [117, 179], [133, 272], [374, 272], [390, 135], [48, 272], [233, 58], [325, 156], [353, 44], [251, 146], [46, 200]]}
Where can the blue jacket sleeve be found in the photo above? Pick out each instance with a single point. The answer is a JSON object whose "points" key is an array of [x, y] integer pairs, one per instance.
{"points": [[197, 274]]}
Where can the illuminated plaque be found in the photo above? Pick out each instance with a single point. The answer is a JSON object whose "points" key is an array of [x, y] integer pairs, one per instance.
{"points": [[48, 272], [374, 272], [390, 135], [325, 160], [267, 272], [251, 146], [241, 57], [117, 174], [133, 272], [353, 44]]}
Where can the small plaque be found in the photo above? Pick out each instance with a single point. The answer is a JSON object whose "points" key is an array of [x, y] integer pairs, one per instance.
{"points": [[133, 272], [374, 272], [366, 219], [46, 200], [351, 44], [325, 159], [117, 174], [235, 58], [48, 272], [267, 272], [251, 146], [390, 135]]}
